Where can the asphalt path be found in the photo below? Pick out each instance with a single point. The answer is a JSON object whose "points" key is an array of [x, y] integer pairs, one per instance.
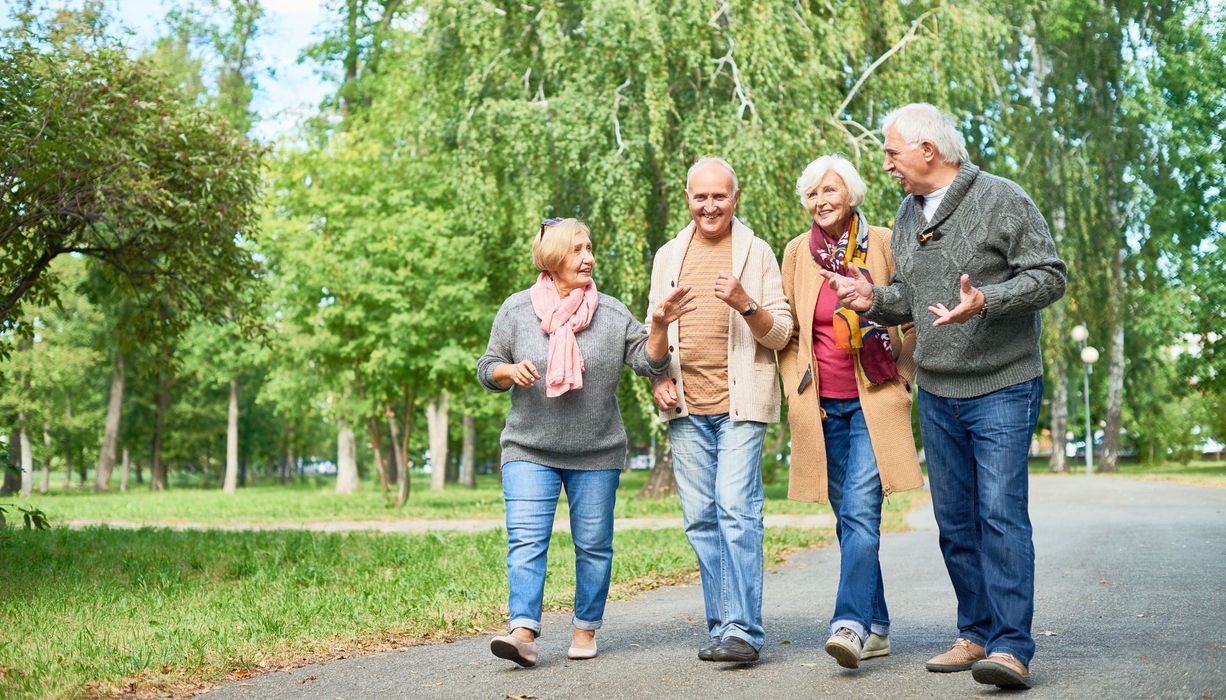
{"points": [[1130, 603]]}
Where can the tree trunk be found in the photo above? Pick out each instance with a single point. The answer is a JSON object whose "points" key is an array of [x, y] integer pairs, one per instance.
{"points": [[157, 468], [346, 460], [397, 453], [288, 466], [660, 483], [124, 471], [46, 486], [12, 479], [230, 485], [402, 495], [1058, 462], [376, 446], [468, 454], [110, 438], [69, 447], [1109, 460], [27, 458], [436, 426]]}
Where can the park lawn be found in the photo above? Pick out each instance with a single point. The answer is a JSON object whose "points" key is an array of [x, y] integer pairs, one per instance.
{"points": [[317, 501], [1195, 473], [100, 611]]}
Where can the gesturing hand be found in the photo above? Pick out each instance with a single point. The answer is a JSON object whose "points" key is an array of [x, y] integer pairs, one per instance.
{"points": [[971, 303], [854, 290], [665, 394], [728, 289], [521, 374], [672, 307]]}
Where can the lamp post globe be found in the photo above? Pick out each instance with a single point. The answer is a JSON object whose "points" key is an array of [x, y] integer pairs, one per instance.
{"points": [[1089, 354], [1080, 333]]}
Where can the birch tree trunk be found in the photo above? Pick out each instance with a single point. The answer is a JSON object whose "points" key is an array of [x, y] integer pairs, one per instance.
{"points": [[110, 438], [27, 458], [68, 447], [346, 459], [1109, 461], [468, 453], [230, 485], [46, 486], [436, 425], [124, 470], [1058, 462]]}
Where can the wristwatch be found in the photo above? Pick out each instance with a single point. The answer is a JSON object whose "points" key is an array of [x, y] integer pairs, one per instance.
{"points": [[749, 311]]}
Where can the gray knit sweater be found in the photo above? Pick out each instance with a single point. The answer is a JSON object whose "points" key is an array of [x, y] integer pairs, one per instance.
{"points": [[990, 229], [581, 429]]}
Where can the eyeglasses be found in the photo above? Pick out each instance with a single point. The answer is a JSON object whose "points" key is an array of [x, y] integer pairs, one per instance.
{"points": [[931, 234], [547, 222]]}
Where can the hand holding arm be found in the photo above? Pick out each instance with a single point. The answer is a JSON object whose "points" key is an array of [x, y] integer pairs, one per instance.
{"points": [[665, 394]]}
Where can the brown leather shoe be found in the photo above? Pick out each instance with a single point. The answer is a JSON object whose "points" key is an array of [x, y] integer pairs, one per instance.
{"points": [[1001, 670], [960, 657]]}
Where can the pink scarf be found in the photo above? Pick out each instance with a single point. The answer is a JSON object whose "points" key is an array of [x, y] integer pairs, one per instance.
{"points": [[562, 319]]}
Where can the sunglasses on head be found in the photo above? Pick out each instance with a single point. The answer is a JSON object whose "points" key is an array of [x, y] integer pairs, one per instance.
{"points": [[548, 222]]}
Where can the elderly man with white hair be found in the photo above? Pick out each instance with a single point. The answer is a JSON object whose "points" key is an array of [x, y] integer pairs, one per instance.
{"points": [[719, 394], [975, 263]]}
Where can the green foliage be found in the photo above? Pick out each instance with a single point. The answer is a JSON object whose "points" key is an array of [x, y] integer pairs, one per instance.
{"points": [[31, 518], [99, 157]]}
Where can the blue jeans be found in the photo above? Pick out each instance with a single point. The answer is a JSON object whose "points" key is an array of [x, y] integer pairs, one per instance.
{"points": [[855, 497], [531, 494], [977, 469], [718, 466]]}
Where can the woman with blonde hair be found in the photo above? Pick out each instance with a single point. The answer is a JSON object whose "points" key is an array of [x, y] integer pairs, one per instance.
{"points": [[847, 382], [564, 429]]}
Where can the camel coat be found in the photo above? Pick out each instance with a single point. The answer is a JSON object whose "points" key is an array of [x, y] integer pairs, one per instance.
{"points": [[887, 407]]}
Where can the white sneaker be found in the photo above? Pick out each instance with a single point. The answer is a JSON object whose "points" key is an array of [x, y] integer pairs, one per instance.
{"points": [[876, 645], [844, 645]]}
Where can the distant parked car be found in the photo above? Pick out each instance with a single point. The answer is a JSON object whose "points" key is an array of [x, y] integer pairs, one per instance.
{"points": [[643, 461], [318, 467]]}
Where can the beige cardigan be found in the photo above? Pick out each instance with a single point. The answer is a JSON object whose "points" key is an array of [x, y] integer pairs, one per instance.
{"points": [[753, 386], [887, 407]]}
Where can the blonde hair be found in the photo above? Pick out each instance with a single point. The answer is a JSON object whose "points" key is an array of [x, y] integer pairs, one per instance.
{"points": [[554, 241]]}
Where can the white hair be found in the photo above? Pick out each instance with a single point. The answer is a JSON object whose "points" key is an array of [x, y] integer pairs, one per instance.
{"points": [[815, 171], [701, 162], [919, 122]]}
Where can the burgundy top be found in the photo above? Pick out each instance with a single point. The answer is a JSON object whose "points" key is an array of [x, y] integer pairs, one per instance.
{"points": [[836, 370]]}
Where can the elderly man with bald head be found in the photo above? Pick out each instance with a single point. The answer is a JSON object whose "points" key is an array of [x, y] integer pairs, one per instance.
{"points": [[718, 395]]}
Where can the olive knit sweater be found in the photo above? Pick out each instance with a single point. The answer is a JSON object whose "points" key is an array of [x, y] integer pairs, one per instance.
{"points": [[988, 228]]}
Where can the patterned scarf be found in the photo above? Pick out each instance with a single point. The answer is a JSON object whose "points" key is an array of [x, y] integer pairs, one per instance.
{"points": [[853, 332]]}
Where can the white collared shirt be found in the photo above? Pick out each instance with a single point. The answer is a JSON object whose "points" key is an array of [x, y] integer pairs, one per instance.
{"points": [[932, 201]]}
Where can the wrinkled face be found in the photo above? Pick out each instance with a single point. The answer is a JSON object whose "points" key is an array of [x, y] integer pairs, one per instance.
{"points": [[575, 272], [907, 163], [712, 200], [830, 203]]}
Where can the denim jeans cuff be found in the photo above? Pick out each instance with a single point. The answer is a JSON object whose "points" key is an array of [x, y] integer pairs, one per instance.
{"points": [[851, 625], [879, 629], [534, 625], [585, 625], [974, 638]]}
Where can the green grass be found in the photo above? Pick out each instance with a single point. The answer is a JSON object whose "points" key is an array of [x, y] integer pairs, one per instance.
{"points": [[318, 502], [1199, 473], [101, 611]]}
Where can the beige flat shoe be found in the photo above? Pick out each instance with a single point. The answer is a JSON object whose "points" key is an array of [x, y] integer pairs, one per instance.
{"points": [[511, 648], [581, 653]]}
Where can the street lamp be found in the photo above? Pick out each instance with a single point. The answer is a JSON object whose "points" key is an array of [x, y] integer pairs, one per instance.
{"points": [[1089, 355]]}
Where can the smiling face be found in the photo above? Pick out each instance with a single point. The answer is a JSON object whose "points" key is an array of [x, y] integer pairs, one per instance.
{"points": [[575, 272], [909, 164], [712, 200], [830, 203]]}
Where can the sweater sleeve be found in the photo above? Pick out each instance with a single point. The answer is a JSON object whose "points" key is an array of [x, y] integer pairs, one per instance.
{"points": [[635, 354], [774, 301], [499, 350], [1040, 276], [891, 303]]}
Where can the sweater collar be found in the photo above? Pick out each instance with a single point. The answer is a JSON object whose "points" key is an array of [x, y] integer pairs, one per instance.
{"points": [[967, 172]]}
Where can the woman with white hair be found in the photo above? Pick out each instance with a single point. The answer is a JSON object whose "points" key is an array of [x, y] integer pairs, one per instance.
{"points": [[847, 381], [564, 429]]}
